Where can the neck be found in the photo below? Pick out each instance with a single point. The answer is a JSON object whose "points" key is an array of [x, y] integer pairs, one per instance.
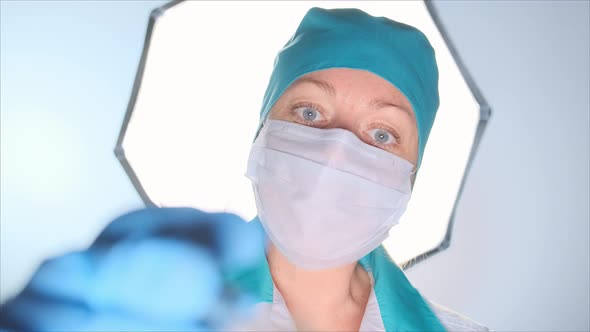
{"points": [[326, 288]]}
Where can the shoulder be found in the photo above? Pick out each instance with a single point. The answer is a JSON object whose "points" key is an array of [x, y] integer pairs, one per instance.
{"points": [[455, 321]]}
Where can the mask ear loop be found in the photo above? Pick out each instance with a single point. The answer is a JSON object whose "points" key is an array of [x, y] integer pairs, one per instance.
{"points": [[413, 178]]}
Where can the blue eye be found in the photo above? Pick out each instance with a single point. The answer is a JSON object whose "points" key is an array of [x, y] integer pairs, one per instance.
{"points": [[308, 114], [381, 136]]}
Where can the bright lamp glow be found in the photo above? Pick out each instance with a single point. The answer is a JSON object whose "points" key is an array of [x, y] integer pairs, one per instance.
{"points": [[198, 92]]}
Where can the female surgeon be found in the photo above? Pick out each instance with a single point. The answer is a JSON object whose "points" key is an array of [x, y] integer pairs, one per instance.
{"points": [[343, 126]]}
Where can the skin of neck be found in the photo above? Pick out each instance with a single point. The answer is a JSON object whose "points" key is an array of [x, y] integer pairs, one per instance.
{"points": [[345, 287]]}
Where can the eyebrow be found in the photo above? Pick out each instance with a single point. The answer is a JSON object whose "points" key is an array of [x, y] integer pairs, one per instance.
{"points": [[384, 103], [329, 89]]}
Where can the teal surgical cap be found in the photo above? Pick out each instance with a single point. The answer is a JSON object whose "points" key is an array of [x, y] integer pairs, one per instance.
{"points": [[351, 38]]}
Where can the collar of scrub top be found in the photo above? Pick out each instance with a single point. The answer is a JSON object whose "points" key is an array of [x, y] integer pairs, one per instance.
{"points": [[351, 38], [401, 305]]}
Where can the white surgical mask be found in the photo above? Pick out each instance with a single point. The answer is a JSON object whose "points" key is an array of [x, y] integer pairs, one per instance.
{"points": [[324, 197]]}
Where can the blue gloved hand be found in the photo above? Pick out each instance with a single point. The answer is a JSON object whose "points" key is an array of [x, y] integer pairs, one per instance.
{"points": [[151, 270]]}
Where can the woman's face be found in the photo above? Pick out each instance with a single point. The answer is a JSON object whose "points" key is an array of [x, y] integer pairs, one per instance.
{"points": [[356, 100]]}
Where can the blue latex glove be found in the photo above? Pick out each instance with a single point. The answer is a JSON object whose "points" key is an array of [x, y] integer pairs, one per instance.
{"points": [[151, 270]]}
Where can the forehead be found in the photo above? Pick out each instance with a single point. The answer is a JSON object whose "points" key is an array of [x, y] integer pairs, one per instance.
{"points": [[353, 82]]}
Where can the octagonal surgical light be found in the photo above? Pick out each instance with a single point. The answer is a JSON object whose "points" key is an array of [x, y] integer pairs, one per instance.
{"points": [[195, 104]]}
